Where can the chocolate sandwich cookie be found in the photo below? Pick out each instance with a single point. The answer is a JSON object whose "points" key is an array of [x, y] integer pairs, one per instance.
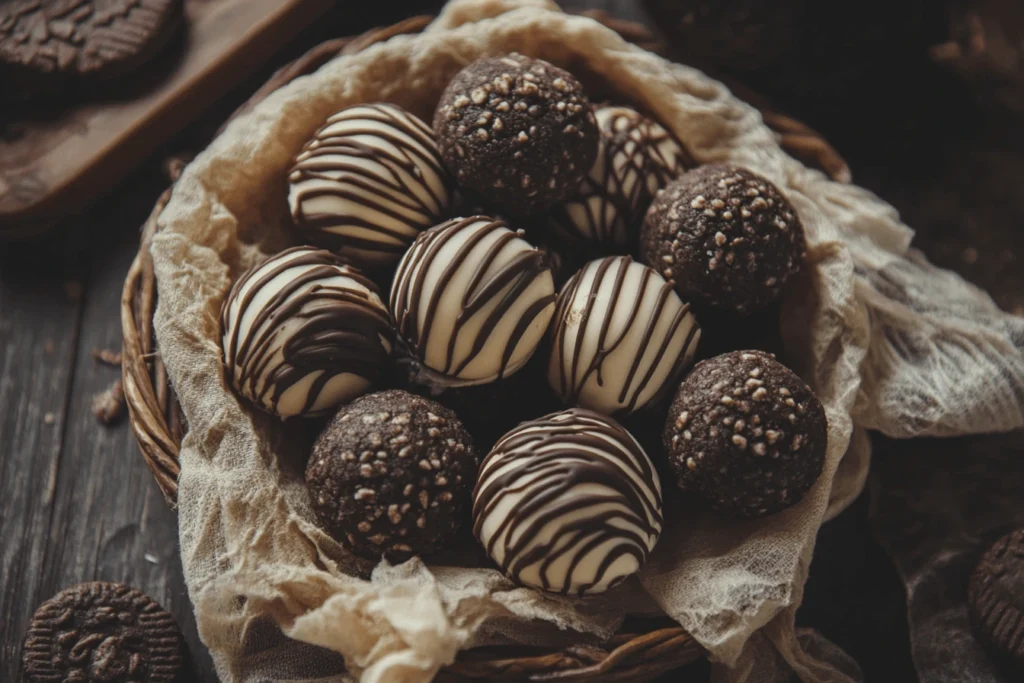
{"points": [[47, 44], [102, 632], [995, 600]]}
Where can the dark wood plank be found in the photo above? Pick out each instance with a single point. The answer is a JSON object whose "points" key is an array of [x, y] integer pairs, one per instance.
{"points": [[39, 326], [109, 520]]}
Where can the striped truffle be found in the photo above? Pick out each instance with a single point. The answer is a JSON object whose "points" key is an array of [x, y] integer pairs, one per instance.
{"points": [[471, 300], [568, 503], [367, 183], [621, 339], [303, 333], [636, 157]]}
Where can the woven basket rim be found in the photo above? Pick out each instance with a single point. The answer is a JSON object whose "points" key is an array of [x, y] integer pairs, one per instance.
{"points": [[158, 424]]}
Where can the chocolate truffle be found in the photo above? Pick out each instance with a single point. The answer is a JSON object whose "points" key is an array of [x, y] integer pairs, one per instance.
{"points": [[636, 157], [746, 434], [621, 338], [102, 632], [471, 300], [568, 503], [367, 183], [726, 236], [303, 332], [517, 131], [391, 474], [995, 600]]}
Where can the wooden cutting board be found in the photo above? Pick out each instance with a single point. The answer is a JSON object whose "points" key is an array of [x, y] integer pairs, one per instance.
{"points": [[54, 166]]}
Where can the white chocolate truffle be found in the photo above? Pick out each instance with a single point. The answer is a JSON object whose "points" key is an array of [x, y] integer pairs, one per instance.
{"points": [[568, 503], [621, 338], [303, 333], [472, 300], [636, 157], [367, 183]]}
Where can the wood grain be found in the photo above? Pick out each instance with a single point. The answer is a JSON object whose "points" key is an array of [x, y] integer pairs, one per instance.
{"points": [[55, 164], [78, 502]]}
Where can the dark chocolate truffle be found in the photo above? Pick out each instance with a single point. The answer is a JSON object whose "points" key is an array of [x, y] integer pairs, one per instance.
{"points": [[517, 131], [391, 474], [995, 600], [746, 434], [726, 236], [102, 632]]}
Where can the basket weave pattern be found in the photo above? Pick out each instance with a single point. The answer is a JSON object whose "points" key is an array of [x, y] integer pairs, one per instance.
{"points": [[634, 656]]}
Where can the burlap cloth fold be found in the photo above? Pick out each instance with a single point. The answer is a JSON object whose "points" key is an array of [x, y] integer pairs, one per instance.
{"points": [[887, 341]]}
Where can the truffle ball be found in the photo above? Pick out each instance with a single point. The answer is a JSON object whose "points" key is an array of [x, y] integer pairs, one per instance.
{"points": [[302, 333], [726, 236], [517, 131], [471, 300], [621, 338], [568, 503], [636, 157], [391, 474], [746, 434], [368, 182]]}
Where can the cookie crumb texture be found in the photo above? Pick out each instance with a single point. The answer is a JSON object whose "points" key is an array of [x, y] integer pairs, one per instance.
{"points": [[391, 475], [995, 600], [518, 131], [726, 236], [105, 632], [746, 434], [46, 44]]}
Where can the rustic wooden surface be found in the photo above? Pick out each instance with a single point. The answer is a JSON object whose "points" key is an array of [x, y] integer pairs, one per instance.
{"points": [[52, 160], [78, 502]]}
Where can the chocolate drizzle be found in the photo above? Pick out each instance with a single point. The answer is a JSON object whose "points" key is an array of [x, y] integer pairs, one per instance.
{"points": [[487, 271], [593, 316], [308, 327], [636, 157], [381, 166], [563, 502]]}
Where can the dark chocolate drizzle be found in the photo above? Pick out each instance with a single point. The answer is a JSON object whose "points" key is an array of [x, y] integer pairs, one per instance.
{"points": [[573, 377], [341, 329], [631, 167], [390, 194], [566, 451], [495, 294]]}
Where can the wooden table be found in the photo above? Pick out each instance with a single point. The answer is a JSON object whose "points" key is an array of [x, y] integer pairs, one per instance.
{"points": [[77, 502]]}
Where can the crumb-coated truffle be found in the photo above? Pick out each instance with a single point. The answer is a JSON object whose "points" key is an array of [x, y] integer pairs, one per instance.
{"points": [[726, 236], [518, 131], [746, 434], [995, 600], [391, 474]]}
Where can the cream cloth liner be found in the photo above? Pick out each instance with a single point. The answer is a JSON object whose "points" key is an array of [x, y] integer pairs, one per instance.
{"points": [[885, 338]]}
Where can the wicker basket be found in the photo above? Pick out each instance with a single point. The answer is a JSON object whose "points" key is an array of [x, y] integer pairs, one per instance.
{"points": [[642, 651]]}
